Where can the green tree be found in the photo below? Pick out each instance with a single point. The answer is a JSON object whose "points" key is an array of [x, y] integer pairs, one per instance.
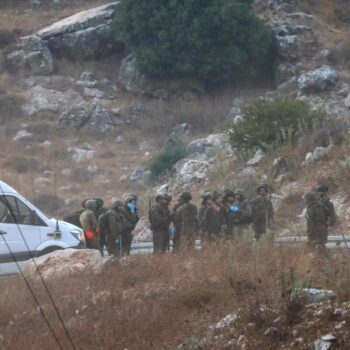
{"points": [[268, 123], [193, 38]]}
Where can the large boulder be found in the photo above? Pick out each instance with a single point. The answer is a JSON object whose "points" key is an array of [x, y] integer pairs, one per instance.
{"points": [[64, 263], [31, 56], [318, 80], [87, 34], [91, 116], [211, 145], [40, 99]]}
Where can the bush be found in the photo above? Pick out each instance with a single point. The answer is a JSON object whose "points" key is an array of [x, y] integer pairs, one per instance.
{"points": [[268, 124], [170, 154], [193, 38]]}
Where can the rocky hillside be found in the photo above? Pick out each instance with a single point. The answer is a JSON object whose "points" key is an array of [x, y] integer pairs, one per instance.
{"points": [[80, 120]]}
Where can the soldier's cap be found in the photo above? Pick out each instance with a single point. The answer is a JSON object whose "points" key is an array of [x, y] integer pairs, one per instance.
{"points": [[99, 202], [90, 204], [116, 203], [262, 186], [310, 196], [186, 196], [239, 191], [322, 188], [163, 195]]}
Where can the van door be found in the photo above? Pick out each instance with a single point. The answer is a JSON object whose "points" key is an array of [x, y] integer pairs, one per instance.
{"points": [[20, 229]]}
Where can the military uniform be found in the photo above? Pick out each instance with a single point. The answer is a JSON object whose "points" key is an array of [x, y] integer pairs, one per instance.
{"points": [[186, 220], [176, 238], [242, 217], [316, 224], [89, 224], [213, 221], [331, 217], [262, 215], [160, 219], [113, 233]]}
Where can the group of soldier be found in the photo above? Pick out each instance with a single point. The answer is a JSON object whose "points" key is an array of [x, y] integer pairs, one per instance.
{"points": [[220, 216]]}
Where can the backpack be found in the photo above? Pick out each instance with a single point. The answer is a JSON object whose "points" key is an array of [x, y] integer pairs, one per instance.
{"points": [[103, 221]]}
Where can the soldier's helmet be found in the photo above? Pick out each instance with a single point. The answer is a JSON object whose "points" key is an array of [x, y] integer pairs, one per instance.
{"points": [[322, 188], [186, 196], [239, 191], [163, 195], [128, 198], [116, 203], [99, 202], [216, 195], [310, 196], [206, 195], [90, 204], [227, 194], [260, 187]]}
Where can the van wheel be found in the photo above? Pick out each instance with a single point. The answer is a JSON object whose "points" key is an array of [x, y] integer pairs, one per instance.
{"points": [[49, 250]]}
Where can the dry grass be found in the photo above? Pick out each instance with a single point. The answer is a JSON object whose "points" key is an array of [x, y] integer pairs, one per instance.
{"points": [[155, 302]]}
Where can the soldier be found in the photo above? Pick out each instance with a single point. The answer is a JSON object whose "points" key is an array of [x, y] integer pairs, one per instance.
{"points": [[131, 214], [227, 202], [100, 209], [214, 217], [74, 218], [176, 236], [242, 213], [207, 199], [262, 211], [89, 224], [316, 221], [331, 217], [186, 220], [160, 219], [114, 228]]}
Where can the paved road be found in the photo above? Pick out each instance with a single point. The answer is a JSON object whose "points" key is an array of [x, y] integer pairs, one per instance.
{"points": [[147, 248]]}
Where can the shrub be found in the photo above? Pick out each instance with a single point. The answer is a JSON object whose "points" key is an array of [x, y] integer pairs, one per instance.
{"points": [[268, 124], [193, 38], [170, 154]]}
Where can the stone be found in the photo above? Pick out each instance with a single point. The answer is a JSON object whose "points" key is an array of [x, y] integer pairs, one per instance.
{"points": [[93, 93], [31, 57], [284, 72], [313, 295], [322, 345], [81, 154], [211, 145], [40, 99], [92, 116], [258, 157], [142, 232], [226, 321], [318, 80], [317, 154], [64, 263], [87, 34], [21, 134]]}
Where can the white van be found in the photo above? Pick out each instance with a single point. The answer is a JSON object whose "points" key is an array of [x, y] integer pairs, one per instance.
{"points": [[25, 231]]}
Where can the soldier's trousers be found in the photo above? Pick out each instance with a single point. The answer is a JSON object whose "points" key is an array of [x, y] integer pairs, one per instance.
{"points": [[94, 243], [188, 241], [160, 241], [111, 246], [259, 230], [126, 242]]}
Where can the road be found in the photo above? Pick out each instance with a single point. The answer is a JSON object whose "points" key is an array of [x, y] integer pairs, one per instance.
{"points": [[147, 248]]}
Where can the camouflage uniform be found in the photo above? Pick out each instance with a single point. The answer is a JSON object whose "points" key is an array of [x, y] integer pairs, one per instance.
{"points": [[126, 235], [89, 224], [262, 215], [160, 219], [176, 238], [331, 217], [100, 209], [186, 220], [213, 221], [316, 224], [113, 233], [242, 218]]}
